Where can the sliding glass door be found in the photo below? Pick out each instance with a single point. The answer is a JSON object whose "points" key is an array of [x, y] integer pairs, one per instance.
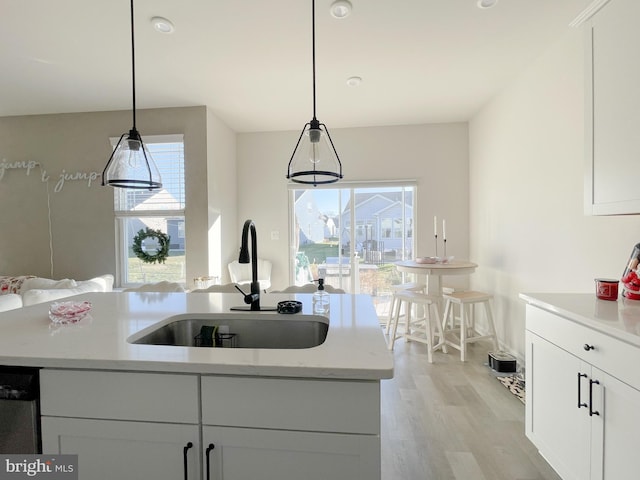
{"points": [[351, 236]]}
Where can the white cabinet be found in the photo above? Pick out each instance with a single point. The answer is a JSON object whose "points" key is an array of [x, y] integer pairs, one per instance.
{"points": [[582, 399], [553, 421], [144, 425], [612, 109], [110, 449], [616, 429], [122, 424], [276, 428], [245, 453]]}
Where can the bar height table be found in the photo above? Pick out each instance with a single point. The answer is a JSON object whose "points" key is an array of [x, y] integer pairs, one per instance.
{"points": [[434, 271]]}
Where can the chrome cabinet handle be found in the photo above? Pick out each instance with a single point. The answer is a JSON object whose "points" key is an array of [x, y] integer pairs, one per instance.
{"points": [[591, 411], [207, 453], [184, 457], [580, 402]]}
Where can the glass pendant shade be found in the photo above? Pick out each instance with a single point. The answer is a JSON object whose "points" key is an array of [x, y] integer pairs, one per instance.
{"points": [[314, 160], [131, 165]]}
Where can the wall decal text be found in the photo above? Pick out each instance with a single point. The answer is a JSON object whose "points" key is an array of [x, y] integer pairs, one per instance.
{"points": [[62, 178]]}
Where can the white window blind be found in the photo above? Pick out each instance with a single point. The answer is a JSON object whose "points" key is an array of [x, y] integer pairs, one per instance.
{"points": [[169, 158]]}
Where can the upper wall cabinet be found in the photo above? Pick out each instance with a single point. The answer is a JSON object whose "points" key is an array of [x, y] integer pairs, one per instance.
{"points": [[612, 179]]}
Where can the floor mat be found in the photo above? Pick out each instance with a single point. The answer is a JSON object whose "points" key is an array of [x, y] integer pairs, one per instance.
{"points": [[515, 386]]}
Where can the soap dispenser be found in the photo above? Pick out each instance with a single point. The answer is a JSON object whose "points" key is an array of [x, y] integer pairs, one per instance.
{"points": [[321, 299]]}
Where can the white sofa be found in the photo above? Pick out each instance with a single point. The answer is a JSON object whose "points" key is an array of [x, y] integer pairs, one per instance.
{"points": [[16, 292]]}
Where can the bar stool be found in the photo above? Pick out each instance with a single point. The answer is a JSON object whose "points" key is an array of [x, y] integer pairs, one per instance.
{"points": [[410, 286], [465, 332], [430, 324]]}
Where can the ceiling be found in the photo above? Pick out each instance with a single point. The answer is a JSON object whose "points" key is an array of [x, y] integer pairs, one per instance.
{"points": [[421, 61]]}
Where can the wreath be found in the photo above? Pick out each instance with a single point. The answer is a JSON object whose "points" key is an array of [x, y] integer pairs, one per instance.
{"points": [[162, 252]]}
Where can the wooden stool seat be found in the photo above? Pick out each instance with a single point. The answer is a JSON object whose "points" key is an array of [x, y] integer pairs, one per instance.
{"points": [[427, 328], [465, 332]]}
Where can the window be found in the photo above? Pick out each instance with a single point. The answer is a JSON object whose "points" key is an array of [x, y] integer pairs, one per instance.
{"points": [[162, 210], [360, 259], [386, 225]]}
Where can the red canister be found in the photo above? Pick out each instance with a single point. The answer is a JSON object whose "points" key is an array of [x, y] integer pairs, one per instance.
{"points": [[606, 289]]}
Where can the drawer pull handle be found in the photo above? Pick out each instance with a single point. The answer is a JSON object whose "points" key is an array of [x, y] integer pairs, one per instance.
{"points": [[184, 457], [580, 402], [588, 347], [207, 452], [591, 411]]}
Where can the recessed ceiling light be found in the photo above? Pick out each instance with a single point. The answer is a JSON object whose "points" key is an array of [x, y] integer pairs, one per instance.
{"points": [[340, 8], [354, 81], [487, 3], [162, 25]]}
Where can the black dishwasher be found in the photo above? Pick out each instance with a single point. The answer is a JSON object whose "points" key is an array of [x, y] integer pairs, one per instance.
{"points": [[19, 410]]}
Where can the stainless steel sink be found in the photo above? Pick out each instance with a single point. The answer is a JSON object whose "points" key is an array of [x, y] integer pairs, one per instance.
{"points": [[237, 330]]}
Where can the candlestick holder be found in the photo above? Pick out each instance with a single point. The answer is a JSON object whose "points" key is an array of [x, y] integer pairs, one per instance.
{"points": [[436, 235]]}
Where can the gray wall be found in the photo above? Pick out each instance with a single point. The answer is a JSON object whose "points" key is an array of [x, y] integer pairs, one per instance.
{"points": [[81, 217]]}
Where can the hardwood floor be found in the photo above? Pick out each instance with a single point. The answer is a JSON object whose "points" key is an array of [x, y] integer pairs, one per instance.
{"points": [[453, 421]]}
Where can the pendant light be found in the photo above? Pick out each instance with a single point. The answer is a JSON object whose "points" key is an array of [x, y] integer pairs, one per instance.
{"points": [[130, 164], [314, 160]]}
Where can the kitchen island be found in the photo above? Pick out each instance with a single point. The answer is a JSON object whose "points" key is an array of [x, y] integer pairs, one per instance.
{"points": [[150, 411]]}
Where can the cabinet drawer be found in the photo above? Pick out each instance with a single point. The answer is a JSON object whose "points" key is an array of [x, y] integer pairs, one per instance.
{"points": [[609, 354], [292, 404], [119, 395]]}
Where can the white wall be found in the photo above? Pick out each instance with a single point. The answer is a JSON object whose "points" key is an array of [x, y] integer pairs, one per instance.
{"points": [[221, 196], [434, 155], [528, 232]]}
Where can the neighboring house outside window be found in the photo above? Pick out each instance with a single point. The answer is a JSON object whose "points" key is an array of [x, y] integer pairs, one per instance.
{"points": [[139, 209]]}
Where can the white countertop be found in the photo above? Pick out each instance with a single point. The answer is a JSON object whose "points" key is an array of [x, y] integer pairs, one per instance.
{"points": [[619, 319], [354, 348]]}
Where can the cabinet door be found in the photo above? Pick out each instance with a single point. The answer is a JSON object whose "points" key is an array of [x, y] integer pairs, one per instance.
{"points": [[109, 450], [613, 110], [554, 423], [244, 453], [616, 430]]}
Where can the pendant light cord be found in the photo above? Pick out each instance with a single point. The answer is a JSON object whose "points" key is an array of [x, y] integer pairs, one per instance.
{"points": [[313, 52], [133, 68]]}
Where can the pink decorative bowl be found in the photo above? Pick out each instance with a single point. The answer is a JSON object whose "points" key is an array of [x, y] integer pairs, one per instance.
{"points": [[427, 260], [431, 260], [68, 312]]}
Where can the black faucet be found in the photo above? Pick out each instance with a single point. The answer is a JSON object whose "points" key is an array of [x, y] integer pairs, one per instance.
{"points": [[254, 297]]}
